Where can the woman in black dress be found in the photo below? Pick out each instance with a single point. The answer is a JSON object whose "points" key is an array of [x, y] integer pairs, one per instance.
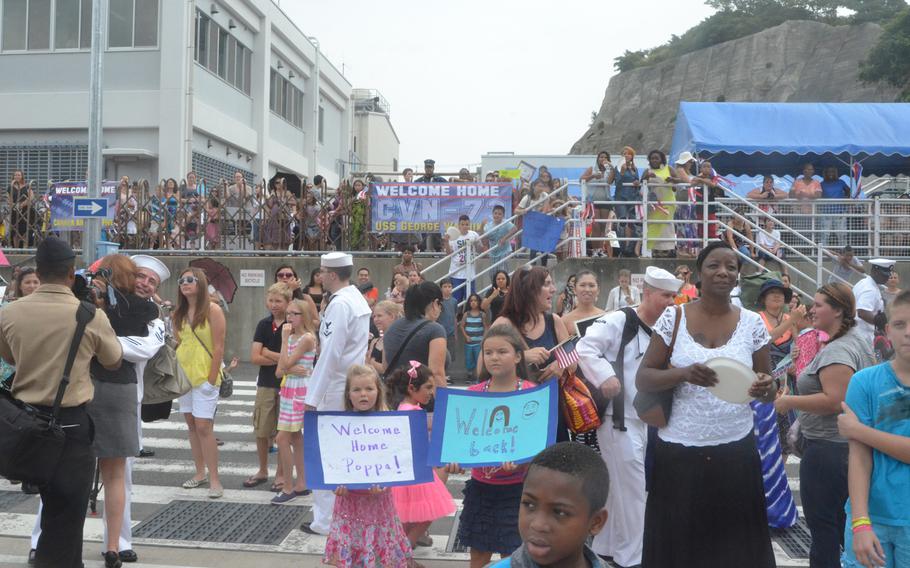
{"points": [[706, 502]]}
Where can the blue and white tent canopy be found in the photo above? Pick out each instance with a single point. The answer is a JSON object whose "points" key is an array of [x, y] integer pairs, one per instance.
{"points": [[777, 138]]}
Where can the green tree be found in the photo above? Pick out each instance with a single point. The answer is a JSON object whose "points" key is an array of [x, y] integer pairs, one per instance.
{"points": [[889, 60]]}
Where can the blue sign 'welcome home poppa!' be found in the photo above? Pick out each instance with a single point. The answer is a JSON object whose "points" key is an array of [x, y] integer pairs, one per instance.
{"points": [[475, 429]]}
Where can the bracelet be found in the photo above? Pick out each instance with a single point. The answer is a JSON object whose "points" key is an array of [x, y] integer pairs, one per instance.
{"points": [[862, 528], [860, 522]]}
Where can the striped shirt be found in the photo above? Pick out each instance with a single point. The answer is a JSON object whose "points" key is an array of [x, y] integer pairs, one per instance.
{"points": [[473, 327]]}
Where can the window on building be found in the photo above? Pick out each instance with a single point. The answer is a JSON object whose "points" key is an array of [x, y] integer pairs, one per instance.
{"points": [[285, 99], [85, 25], [133, 23], [15, 16], [222, 54], [321, 124], [27, 24], [39, 25], [66, 24], [45, 163]]}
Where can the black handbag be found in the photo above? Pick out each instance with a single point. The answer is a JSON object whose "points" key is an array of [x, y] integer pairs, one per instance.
{"points": [[31, 440]]}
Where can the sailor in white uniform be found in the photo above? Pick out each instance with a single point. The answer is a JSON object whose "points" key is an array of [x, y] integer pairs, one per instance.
{"points": [[343, 338], [870, 305], [623, 437], [137, 350]]}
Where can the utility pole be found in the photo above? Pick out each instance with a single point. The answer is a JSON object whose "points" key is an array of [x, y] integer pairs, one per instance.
{"points": [[92, 227]]}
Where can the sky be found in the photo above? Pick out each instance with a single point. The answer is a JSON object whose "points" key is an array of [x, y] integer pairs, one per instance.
{"points": [[468, 77]]}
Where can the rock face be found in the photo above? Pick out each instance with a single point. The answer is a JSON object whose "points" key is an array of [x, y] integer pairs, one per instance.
{"points": [[797, 61]]}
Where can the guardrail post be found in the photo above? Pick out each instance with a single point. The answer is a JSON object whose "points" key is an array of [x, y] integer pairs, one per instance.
{"points": [[645, 244], [876, 227], [704, 214], [819, 260]]}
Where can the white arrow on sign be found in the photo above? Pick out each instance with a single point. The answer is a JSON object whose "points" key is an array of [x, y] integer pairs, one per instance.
{"points": [[92, 207]]}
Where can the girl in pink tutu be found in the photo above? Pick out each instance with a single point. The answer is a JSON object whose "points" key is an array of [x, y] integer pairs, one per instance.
{"points": [[365, 529], [417, 505], [295, 364]]}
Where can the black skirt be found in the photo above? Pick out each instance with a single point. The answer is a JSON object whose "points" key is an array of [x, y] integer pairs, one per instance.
{"points": [[489, 518], [706, 508]]}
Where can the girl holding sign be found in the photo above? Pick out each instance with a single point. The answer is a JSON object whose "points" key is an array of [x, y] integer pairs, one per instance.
{"points": [[295, 364], [418, 505], [365, 528], [489, 519]]}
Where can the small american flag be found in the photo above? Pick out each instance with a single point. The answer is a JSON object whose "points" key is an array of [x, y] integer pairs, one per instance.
{"points": [[565, 354], [857, 175]]}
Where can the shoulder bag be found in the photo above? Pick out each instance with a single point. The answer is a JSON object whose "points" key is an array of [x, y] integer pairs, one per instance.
{"points": [[164, 379], [394, 360], [578, 405], [654, 407], [227, 381], [31, 440]]}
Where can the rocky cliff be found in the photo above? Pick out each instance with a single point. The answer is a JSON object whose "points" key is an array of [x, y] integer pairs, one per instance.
{"points": [[797, 61]]}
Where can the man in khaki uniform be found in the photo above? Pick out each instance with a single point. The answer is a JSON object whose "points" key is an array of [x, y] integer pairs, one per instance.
{"points": [[35, 336]]}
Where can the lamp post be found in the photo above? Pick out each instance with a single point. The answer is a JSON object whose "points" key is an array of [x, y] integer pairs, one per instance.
{"points": [[92, 227]]}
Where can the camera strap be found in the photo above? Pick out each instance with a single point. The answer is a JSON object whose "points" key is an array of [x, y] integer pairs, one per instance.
{"points": [[84, 314]]}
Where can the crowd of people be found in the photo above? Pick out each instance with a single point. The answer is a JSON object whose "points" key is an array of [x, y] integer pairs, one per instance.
{"points": [[694, 479], [290, 213]]}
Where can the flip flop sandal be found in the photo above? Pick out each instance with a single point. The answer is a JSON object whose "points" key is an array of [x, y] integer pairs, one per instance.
{"points": [[276, 487], [254, 481]]}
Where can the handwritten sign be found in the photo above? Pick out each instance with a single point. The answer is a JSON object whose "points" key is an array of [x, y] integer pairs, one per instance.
{"points": [[476, 429], [359, 450]]}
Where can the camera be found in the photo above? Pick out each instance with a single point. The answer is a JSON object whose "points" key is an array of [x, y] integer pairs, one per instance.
{"points": [[82, 288]]}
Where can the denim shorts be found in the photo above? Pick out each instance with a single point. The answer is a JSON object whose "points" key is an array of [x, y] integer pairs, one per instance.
{"points": [[895, 542]]}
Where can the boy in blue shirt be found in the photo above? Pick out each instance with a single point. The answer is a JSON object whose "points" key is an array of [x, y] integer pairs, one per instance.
{"points": [[876, 421]]}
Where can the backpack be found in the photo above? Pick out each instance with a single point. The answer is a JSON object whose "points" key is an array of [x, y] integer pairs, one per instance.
{"points": [[751, 285], [629, 332]]}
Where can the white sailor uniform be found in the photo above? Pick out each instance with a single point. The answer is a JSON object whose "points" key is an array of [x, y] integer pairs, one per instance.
{"points": [[622, 451], [343, 338]]}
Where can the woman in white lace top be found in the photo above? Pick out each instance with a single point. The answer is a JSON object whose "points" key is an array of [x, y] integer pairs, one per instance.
{"points": [[706, 503]]}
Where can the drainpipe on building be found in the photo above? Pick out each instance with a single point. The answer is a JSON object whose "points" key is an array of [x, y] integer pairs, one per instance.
{"points": [[313, 168]]}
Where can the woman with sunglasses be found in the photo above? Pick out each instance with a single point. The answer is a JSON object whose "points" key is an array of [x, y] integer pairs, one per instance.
{"points": [[200, 328], [688, 292], [287, 275]]}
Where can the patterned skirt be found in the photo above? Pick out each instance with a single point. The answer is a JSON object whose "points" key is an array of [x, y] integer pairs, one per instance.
{"points": [[292, 402], [366, 533]]}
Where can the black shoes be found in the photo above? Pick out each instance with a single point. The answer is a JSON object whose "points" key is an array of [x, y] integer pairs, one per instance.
{"points": [[144, 453], [31, 557], [128, 556], [112, 560]]}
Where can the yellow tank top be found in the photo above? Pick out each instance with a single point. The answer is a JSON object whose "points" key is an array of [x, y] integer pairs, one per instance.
{"points": [[191, 355]]}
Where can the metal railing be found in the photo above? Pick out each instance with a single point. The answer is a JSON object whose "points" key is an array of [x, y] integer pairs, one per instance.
{"points": [[503, 264]]}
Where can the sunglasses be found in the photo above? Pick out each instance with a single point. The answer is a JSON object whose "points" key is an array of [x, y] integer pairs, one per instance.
{"points": [[187, 280], [285, 275]]}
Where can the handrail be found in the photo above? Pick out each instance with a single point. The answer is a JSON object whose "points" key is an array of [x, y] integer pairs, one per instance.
{"points": [[530, 207]]}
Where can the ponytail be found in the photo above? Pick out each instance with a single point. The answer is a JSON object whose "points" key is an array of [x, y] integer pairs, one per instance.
{"points": [[841, 297]]}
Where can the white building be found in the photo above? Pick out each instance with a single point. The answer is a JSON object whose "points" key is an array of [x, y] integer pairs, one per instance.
{"points": [[375, 144], [212, 85]]}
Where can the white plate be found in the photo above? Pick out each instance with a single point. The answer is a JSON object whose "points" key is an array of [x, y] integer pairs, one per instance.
{"points": [[733, 380], [453, 233]]}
